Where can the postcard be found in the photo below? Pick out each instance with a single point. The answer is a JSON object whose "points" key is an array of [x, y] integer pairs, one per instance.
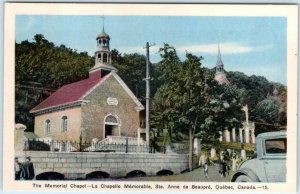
{"points": [[150, 97]]}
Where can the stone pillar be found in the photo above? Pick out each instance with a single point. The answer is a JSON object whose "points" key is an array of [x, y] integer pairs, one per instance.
{"points": [[197, 146], [221, 136], [213, 152], [241, 136], [168, 149], [233, 135], [227, 135], [229, 151], [243, 154], [253, 133], [94, 144], [253, 136], [247, 134], [138, 136], [20, 140]]}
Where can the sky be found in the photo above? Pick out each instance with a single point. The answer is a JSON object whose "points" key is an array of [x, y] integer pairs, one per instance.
{"points": [[252, 45]]}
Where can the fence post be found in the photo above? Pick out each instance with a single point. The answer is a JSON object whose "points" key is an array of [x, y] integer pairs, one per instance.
{"points": [[80, 142], [126, 150]]}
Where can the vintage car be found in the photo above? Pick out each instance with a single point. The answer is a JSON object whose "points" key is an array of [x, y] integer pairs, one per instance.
{"points": [[270, 162]]}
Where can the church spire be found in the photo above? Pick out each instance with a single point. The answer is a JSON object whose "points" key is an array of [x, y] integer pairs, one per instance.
{"points": [[220, 75], [219, 64], [219, 61]]}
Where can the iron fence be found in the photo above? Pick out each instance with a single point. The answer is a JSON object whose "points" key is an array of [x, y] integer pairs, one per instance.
{"points": [[69, 146], [73, 146]]}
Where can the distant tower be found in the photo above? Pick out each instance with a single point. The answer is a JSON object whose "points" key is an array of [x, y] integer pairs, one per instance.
{"points": [[103, 54], [220, 75], [219, 64]]}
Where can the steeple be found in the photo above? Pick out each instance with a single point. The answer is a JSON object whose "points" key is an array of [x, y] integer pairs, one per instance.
{"points": [[103, 54], [219, 64], [220, 75]]}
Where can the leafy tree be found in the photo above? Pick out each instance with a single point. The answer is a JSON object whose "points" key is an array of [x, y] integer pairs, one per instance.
{"points": [[41, 68], [270, 114], [265, 110], [189, 100], [132, 69], [252, 89]]}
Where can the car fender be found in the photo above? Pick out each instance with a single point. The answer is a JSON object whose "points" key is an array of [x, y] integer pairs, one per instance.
{"points": [[248, 172]]}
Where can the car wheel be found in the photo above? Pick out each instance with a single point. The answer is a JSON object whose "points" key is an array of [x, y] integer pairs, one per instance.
{"points": [[243, 178]]}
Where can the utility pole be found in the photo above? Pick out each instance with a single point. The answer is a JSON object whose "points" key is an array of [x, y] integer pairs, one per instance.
{"points": [[147, 79]]}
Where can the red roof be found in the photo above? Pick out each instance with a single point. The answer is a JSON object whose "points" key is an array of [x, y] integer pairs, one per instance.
{"points": [[68, 93]]}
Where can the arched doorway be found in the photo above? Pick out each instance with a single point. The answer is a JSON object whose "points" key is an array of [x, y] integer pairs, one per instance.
{"points": [[111, 126]]}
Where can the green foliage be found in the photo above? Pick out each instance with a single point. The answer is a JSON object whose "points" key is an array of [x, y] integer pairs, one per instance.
{"points": [[269, 112], [184, 95], [251, 89], [42, 67], [188, 98], [132, 69]]}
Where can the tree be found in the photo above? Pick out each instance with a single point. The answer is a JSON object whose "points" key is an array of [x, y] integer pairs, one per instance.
{"points": [[132, 69], [189, 100], [266, 110], [252, 89], [270, 114], [41, 68]]}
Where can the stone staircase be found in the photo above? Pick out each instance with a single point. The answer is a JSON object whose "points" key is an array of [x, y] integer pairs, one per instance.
{"points": [[118, 144]]}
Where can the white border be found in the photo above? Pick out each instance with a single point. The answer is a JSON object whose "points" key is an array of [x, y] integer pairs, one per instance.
{"points": [[289, 11]]}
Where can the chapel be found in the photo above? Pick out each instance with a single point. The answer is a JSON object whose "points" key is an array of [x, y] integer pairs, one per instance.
{"points": [[98, 107]]}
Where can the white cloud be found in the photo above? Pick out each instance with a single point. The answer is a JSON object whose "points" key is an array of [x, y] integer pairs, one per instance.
{"points": [[153, 49], [227, 48]]}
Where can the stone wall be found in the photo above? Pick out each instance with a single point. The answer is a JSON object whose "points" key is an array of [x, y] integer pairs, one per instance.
{"points": [[78, 165], [97, 108], [73, 126]]}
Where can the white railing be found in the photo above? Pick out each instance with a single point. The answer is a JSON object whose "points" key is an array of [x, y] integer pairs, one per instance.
{"points": [[125, 140], [57, 145]]}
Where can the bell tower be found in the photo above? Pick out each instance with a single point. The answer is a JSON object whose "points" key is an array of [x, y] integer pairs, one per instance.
{"points": [[103, 54]]}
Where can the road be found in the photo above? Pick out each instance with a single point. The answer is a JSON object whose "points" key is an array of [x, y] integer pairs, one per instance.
{"points": [[195, 175]]}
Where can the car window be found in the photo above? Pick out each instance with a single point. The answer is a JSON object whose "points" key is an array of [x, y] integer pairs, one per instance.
{"points": [[276, 146]]}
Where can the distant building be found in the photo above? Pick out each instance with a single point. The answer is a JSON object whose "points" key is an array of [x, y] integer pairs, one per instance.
{"points": [[220, 75], [244, 134], [94, 108]]}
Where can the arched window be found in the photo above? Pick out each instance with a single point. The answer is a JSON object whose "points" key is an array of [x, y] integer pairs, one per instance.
{"points": [[111, 120], [64, 124], [99, 57], [47, 127], [104, 57]]}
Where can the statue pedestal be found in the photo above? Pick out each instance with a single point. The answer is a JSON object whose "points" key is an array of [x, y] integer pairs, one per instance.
{"points": [[20, 140], [213, 153], [243, 154]]}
